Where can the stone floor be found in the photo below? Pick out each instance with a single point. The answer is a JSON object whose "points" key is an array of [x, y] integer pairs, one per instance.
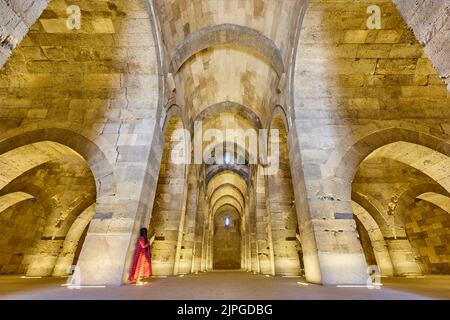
{"points": [[226, 285]]}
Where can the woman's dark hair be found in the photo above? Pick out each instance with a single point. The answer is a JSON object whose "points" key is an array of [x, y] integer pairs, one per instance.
{"points": [[143, 233]]}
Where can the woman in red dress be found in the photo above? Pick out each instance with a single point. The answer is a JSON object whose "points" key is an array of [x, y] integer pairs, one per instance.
{"points": [[142, 265]]}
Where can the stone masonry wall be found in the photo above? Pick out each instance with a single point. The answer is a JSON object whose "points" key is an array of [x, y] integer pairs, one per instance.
{"points": [[100, 86], [227, 241], [428, 229], [350, 82], [17, 16], [430, 23]]}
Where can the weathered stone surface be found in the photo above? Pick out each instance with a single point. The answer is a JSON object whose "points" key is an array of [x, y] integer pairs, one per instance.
{"points": [[89, 120]]}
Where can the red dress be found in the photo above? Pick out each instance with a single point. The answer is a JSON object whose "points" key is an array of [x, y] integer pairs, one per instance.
{"points": [[142, 266]]}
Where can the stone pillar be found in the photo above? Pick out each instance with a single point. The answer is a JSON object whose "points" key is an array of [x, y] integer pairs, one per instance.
{"points": [[209, 238], [72, 241], [254, 264], [199, 232], [211, 246], [270, 244], [249, 244], [204, 244], [242, 247], [189, 244], [383, 258], [402, 257], [246, 239], [176, 265], [332, 253], [111, 240], [110, 243], [262, 234]]}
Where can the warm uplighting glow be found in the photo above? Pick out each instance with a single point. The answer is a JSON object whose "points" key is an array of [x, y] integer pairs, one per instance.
{"points": [[303, 283], [70, 286], [370, 286]]}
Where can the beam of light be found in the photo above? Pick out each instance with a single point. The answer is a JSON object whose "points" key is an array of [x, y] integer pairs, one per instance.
{"points": [[79, 287], [25, 277], [359, 286], [303, 283]]}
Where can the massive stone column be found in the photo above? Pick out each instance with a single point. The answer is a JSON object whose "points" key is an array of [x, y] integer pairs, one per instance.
{"points": [[252, 225], [198, 261], [403, 258], [188, 246], [111, 239], [263, 229], [332, 253], [95, 90], [72, 241], [281, 205]]}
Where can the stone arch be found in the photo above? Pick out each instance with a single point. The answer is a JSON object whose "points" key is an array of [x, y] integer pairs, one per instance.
{"points": [[365, 202], [24, 155], [227, 199], [169, 206], [229, 191], [13, 198], [22, 159], [426, 220], [280, 112], [287, 251], [407, 215], [213, 170], [227, 34], [234, 178], [95, 154], [71, 241], [222, 206], [228, 106], [175, 114], [347, 163], [378, 243], [424, 159], [228, 186], [422, 151], [437, 199], [173, 111], [408, 195], [240, 152]]}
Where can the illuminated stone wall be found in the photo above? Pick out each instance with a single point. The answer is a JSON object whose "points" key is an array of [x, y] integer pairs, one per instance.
{"points": [[95, 90], [227, 240], [428, 231], [364, 111]]}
